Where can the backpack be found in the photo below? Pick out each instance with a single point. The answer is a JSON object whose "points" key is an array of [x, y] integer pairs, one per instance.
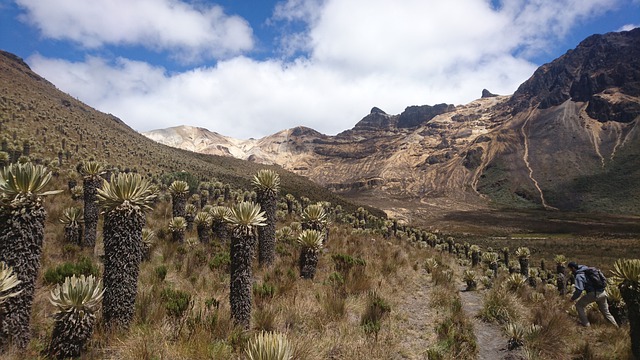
{"points": [[595, 278]]}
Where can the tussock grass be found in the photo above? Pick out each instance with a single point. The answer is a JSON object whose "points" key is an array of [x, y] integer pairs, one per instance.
{"points": [[500, 306]]}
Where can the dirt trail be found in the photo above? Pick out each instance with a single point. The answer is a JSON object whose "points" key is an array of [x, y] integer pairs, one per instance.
{"points": [[416, 323], [415, 315], [492, 344]]}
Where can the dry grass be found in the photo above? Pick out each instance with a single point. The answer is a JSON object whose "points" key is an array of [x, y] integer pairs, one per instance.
{"points": [[321, 317], [559, 335]]}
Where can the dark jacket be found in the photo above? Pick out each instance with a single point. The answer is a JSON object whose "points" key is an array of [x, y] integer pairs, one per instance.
{"points": [[581, 283]]}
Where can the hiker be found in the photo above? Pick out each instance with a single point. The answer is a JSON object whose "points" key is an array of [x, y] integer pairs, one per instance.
{"points": [[591, 281]]}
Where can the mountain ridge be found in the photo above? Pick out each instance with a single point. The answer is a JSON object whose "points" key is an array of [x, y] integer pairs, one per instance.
{"points": [[543, 147]]}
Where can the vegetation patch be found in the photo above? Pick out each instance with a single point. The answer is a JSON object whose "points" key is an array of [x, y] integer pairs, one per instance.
{"points": [[176, 302], [84, 266]]}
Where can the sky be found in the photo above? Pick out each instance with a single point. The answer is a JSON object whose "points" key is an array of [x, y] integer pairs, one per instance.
{"points": [[248, 69]]}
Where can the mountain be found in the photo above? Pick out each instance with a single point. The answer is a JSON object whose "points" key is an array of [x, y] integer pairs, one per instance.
{"points": [[566, 139], [50, 127]]}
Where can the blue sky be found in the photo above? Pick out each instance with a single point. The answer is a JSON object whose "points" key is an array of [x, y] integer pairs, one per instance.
{"points": [[252, 68]]}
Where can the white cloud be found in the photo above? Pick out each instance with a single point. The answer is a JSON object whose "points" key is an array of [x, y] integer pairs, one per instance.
{"points": [[628, 27], [245, 98], [189, 32], [360, 54]]}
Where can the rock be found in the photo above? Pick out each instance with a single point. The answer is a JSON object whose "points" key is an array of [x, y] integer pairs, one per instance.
{"points": [[304, 131], [414, 116], [487, 94], [620, 111], [473, 158], [376, 120]]}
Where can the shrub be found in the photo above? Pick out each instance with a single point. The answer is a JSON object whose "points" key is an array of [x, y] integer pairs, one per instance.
{"points": [[161, 272], [376, 310], [335, 279], [176, 302], [70, 250], [84, 266], [344, 263], [263, 292], [220, 260]]}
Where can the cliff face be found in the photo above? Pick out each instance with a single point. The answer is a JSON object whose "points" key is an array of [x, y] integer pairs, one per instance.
{"points": [[600, 67], [566, 139]]}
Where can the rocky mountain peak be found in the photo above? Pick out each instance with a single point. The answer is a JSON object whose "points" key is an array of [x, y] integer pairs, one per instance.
{"points": [[304, 131], [487, 94], [600, 70], [414, 116], [376, 110], [567, 139], [375, 120]]}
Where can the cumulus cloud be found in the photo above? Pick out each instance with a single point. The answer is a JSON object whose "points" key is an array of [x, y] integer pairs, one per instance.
{"points": [[189, 32], [356, 54], [245, 98]]}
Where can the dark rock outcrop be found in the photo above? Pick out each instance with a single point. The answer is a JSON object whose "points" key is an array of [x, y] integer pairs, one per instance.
{"points": [[487, 94], [620, 111], [414, 116], [376, 120], [305, 131], [473, 158], [600, 62]]}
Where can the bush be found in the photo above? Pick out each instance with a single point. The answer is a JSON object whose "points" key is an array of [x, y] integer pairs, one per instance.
{"points": [[344, 263], [176, 302], [263, 292], [376, 310], [189, 178], [84, 266], [161, 272], [220, 260]]}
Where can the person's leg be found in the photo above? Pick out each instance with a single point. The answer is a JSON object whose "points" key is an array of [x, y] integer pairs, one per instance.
{"points": [[601, 299], [585, 300]]}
